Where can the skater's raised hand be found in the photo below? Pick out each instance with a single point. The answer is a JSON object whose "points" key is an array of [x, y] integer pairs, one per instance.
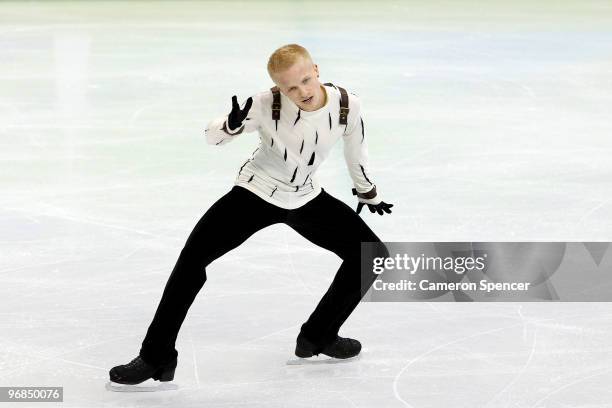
{"points": [[237, 115]]}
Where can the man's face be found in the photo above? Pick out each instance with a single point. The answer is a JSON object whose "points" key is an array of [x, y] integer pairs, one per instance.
{"points": [[300, 83]]}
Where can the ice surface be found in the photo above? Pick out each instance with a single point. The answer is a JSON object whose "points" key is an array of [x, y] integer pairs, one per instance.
{"points": [[485, 122]]}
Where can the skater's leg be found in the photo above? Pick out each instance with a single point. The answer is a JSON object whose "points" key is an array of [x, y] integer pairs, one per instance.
{"points": [[227, 223], [331, 224]]}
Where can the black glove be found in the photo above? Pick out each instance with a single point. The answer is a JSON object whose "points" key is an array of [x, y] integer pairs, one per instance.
{"points": [[237, 115], [375, 204], [379, 208]]}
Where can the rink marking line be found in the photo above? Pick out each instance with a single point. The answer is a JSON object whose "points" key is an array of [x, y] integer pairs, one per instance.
{"points": [[78, 309], [269, 335], [60, 358], [3, 271], [81, 364], [288, 253], [56, 359], [195, 361], [120, 127], [288, 380], [442, 315], [441, 346], [593, 210], [100, 223], [520, 373], [346, 397], [420, 356], [577, 381], [519, 311], [80, 191]]}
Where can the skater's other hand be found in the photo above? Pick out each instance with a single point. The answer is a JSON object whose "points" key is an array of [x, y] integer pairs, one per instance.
{"points": [[373, 201], [237, 115], [380, 208]]}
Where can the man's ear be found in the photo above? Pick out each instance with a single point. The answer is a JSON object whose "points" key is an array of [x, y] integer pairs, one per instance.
{"points": [[273, 79]]}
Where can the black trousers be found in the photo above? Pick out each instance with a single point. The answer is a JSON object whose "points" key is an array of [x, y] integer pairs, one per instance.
{"points": [[324, 221]]}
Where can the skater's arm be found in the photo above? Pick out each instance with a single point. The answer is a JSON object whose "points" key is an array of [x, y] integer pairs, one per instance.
{"points": [[243, 118], [356, 150], [356, 156]]}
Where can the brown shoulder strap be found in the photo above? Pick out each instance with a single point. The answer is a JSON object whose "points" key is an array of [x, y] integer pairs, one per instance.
{"points": [[329, 84], [276, 103], [344, 103]]}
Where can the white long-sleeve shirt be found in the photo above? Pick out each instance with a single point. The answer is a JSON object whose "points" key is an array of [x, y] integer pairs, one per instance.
{"points": [[282, 169]]}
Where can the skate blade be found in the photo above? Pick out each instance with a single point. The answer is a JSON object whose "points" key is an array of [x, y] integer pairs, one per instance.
{"points": [[147, 386], [320, 359]]}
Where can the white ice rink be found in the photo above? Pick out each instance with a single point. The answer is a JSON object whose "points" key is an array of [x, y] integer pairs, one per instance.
{"points": [[485, 123]]}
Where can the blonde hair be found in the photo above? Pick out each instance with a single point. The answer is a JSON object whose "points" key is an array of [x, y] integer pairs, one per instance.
{"points": [[285, 57]]}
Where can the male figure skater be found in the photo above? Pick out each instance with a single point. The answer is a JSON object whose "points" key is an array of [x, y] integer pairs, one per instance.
{"points": [[298, 122]]}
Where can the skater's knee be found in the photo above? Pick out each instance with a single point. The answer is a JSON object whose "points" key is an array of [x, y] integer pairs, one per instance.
{"points": [[350, 250], [379, 249], [192, 265], [199, 257], [352, 253], [373, 245]]}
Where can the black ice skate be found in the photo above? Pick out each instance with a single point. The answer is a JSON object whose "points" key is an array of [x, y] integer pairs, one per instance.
{"points": [[341, 348], [137, 371]]}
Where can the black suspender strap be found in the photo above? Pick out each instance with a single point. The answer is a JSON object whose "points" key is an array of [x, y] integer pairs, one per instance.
{"points": [[276, 103]]}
